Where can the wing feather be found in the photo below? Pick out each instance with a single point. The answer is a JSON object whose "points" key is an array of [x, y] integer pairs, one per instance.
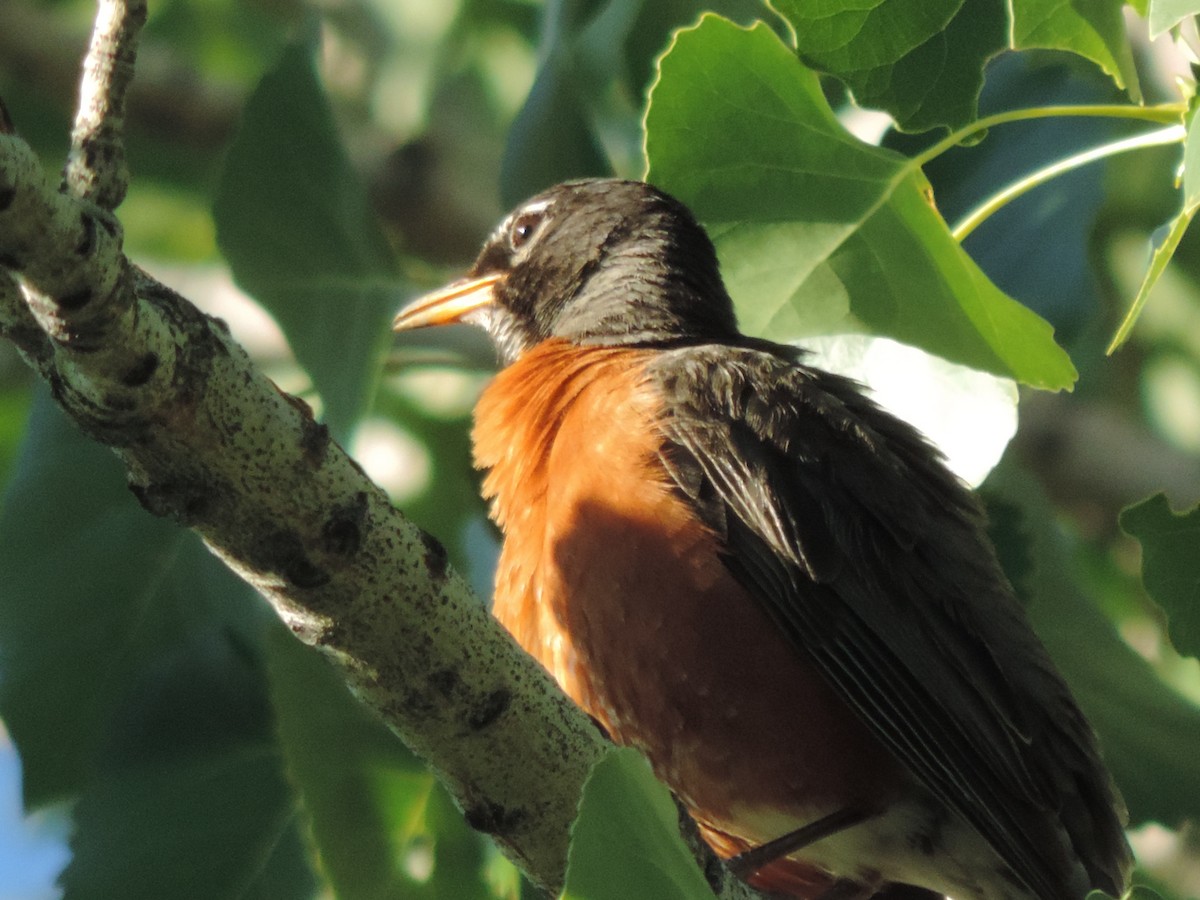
{"points": [[870, 555]]}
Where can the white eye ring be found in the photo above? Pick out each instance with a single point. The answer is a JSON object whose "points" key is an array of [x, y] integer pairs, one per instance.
{"points": [[526, 223], [522, 229]]}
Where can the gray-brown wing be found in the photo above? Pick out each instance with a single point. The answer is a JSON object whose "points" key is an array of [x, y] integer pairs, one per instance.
{"points": [[842, 521]]}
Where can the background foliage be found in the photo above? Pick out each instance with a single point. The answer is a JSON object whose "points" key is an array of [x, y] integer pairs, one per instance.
{"points": [[336, 158]]}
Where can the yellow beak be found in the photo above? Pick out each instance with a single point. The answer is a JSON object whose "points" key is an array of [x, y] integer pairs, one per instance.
{"points": [[449, 304]]}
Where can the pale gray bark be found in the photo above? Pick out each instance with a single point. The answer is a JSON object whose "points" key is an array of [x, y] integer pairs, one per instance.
{"points": [[213, 444]]}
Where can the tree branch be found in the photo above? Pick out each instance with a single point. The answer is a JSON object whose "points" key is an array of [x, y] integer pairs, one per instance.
{"points": [[96, 168], [211, 443]]}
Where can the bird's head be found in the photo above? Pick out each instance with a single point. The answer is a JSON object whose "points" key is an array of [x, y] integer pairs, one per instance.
{"points": [[592, 262]]}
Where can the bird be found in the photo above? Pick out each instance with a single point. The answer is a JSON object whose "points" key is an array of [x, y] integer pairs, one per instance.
{"points": [[741, 565]]}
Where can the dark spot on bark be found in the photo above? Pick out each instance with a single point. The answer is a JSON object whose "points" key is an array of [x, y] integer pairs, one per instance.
{"points": [[141, 371], [714, 874], [436, 560], [88, 222], [7, 196], [10, 262], [492, 818], [492, 708], [444, 681], [109, 223], [75, 299], [283, 552], [923, 841], [182, 501], [314, 439], [342, 531]]}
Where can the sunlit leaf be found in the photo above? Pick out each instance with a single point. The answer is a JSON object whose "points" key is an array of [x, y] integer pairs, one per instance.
{"points": [[923, 61], [582, 113], [1094, 30], [1164, 242], [1166, 14], [818, 232]]}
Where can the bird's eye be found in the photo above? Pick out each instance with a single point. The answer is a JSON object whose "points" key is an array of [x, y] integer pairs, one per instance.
{"points": [[523, 228]]}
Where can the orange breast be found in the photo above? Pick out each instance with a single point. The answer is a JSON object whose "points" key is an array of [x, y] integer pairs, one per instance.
{"points": [[608, 578]]}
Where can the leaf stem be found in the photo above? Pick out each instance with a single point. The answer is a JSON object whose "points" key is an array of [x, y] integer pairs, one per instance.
{"points": [[1164, 113], [1172, 134]]}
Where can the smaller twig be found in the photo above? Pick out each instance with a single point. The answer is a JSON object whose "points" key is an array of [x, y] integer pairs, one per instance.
{"points": [[96, 168], [1165, 113], [1172, 134]]}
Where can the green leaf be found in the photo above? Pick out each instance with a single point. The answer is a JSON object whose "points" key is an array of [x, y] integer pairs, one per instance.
{"points": [[190, 800], [1166, 14], [297, 228], [131, 681], [625, 845], [346, 766], [921, 61], [1140, 892], [1165, 240], [1170, 565], [1094, 30], [370, 803], [95, 590], [1148, 732], [582, 114], [818, 232]]}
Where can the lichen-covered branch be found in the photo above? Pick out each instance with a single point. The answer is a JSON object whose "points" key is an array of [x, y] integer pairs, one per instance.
{"points": [[96, 168], [211, 443]]}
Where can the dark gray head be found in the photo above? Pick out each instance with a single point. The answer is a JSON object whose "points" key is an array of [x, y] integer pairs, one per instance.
{"points": [[592, 262]]}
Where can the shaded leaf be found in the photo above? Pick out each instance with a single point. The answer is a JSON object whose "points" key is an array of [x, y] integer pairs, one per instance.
{"points": [[625, 845], [818, 232], [297, 228], [95, 591], [367, 798], [1094, 30], [192, 777], [920, 61], [1170, 565], [339, 756], [131, 681], [1148, 732], [582, 115]]}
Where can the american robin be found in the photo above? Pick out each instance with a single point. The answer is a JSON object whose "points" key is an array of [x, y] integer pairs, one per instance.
{"points": [[739, 564]]}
